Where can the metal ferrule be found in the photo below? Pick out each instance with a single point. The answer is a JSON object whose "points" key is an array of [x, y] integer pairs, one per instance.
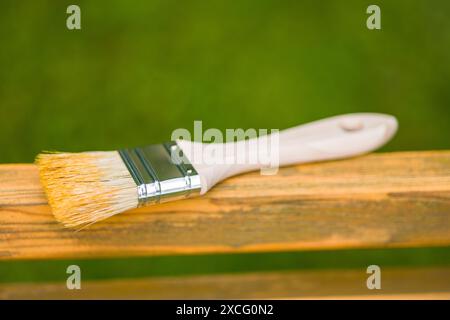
{"points": [[161, 172]]}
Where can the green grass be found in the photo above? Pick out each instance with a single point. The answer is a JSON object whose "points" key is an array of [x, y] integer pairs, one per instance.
{"points": [[136, 71], [55, 270]]}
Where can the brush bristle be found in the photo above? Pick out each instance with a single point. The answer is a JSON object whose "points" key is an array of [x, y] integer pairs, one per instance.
{"points": [[83, 188]]}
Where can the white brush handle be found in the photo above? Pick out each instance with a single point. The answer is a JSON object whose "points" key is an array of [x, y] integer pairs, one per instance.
{"points": [[332, 138]]}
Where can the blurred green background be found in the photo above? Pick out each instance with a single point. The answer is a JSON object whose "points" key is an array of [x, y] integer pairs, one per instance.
{"points": [[138, 70]]}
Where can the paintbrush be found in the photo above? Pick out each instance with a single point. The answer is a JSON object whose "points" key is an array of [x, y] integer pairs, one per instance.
{"points": [[83, 188]]}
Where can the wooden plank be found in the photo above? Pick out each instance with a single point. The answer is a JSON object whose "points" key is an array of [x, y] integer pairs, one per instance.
{"points": [[396, 283], [404, 296], [381, 200]]}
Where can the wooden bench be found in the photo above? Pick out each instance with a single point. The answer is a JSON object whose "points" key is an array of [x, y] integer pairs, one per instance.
{"points": [[384, 200]]}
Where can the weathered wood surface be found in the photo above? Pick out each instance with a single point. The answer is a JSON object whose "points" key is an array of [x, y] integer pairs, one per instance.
{"points": [[396, 283], [380, 200]]}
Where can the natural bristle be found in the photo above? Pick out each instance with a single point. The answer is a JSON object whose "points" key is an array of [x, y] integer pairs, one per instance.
{"points": [[83, 188]]}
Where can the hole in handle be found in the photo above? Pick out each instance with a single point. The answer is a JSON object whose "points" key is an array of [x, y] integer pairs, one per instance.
{"points": [[351, 124]]}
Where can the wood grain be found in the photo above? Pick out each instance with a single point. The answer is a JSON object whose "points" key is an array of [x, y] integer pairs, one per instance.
{"points": [[396, 283], [380, 200]]}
